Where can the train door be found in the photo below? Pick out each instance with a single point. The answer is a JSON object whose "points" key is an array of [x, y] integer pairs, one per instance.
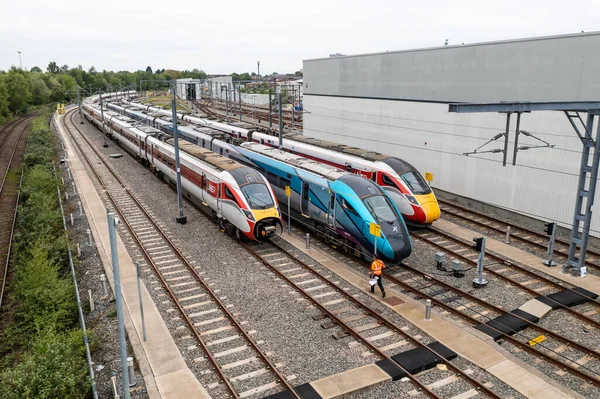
{"points": [[304, 202], [331, 213]]}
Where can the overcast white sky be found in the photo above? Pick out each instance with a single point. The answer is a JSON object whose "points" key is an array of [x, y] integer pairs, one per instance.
{"points": [[231, 36]]}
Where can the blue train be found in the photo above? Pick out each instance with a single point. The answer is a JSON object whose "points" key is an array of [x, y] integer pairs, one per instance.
{"points": [[337, 203]]}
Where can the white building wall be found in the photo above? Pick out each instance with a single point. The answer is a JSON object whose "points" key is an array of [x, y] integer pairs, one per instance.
{"points": [[542, 185]]}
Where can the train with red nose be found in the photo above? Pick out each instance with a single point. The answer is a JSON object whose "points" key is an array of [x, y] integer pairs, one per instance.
{"points": [[238, 197], [405, 185]]}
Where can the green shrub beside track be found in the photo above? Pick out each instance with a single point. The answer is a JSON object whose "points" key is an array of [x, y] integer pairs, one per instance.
{"points": [[42, 347]]}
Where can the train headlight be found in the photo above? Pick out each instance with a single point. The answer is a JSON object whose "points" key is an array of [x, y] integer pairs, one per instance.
{"points": [[411, 199], [248, 214]]}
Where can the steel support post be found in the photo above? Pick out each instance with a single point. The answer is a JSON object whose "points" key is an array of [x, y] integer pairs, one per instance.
{"points": [[181, 219], [240, 100], [586, 173], [506, 139], [139, 277], [280, 123], [102, 117], [234, 101], [293, 107], [270, 109], [112, 232], [516, 138], [79, 104]]}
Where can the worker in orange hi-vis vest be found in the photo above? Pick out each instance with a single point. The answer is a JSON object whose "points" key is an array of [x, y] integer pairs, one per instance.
{"points": [[377, 266]]}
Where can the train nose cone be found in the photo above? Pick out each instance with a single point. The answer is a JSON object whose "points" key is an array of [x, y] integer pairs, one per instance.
{"points": [[430, 208], [399, 247]]}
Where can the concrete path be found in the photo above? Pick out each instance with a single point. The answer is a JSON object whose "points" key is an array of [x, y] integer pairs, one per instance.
{"points": [[165, 372]]}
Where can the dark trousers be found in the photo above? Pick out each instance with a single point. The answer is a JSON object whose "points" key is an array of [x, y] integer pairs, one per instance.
{"points": [[379, 283]]}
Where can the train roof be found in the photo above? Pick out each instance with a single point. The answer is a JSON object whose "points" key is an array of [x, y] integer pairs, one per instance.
{"points": [[326, 171], [218, 161], [346, 149]]}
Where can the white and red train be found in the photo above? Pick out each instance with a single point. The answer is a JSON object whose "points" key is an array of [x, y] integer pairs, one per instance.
{"points": [[238, 197], [402, 181]]}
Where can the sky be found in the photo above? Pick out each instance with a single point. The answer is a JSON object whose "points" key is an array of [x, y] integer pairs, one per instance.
{"points": [[226, 37]]}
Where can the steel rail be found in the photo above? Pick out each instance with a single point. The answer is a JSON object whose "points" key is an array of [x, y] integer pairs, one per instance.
{"points": [[14, 150], [515, 266], [516, 235], [502, 311], [512, 340], [382, 320], [14, 218], [198, 278]]}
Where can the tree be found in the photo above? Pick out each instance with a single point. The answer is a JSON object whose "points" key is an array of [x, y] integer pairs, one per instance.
{"points": [[64, 68], [39, 90], [18, 91], [53, 67], [298, 73], [149, 69], [36, 69], [156, 72], [4, 112]]}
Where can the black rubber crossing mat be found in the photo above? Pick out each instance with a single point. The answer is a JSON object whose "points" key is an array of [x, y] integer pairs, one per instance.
{"points": [[305, 391], [420, 359], [509, 324], [568, 298]]}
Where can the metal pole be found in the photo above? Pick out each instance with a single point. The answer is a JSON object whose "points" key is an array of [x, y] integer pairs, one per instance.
{"points": [[240, 100], [227, 103], [479, 281], [270, 110], [280, 124], [307, 240], [112, 232], [549, 262], [516, 138], [20, 61], [428, 309], [79, 102], [102, 116], [234, 100], [375, 248], [180, 218], [293, 108], [289, 214], [506, 138], [139, 277], [507, 241]]}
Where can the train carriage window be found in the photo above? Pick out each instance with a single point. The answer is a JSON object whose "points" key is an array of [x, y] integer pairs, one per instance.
{"points": [[386, 180], [284, 182], [346, 205], [229, 194]]}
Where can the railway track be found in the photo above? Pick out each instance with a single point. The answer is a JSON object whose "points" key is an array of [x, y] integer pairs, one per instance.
{"points": [[260, 112], [510, 272], [12, 147], [205, 107], [564, 355], [580, 361], [525, 235], [200, 307], [348, 316]]}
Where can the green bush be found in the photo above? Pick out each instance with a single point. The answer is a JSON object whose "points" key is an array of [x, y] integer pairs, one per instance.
{"points": [[42, 349], [55, 367]]}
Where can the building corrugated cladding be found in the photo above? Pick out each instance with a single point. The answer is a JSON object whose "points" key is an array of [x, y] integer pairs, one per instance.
{"points": [[367, 101]]}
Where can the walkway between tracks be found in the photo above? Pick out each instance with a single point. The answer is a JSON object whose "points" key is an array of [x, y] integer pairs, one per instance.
{"points": [[468, 343], [590, 283], [165, 372]]}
